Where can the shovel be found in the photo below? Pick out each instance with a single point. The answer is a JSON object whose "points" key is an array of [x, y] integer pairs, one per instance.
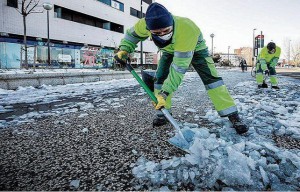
{"points": [[181, 139]]}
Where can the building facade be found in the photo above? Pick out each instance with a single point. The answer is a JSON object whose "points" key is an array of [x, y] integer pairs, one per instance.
{"points": [[246, 53], [82, 33], [234, 59]]}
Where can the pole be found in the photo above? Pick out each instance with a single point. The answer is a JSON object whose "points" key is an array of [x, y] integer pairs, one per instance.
{"points": [[48, 42], [261, 41], [141, 41], [253, 56], [212, 46], [228, 55], [289, 57]]}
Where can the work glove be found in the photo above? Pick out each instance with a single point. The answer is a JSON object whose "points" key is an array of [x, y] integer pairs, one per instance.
{"points": [[122, 56], [161, 100]]}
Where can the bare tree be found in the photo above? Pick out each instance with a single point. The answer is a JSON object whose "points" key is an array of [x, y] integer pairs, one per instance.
{"points": [[295, 53], [27, 7], [286, 47]]}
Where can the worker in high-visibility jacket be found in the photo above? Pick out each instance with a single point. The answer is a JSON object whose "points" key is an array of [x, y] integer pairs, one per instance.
{"points": [[266, 63], [182, 44]]}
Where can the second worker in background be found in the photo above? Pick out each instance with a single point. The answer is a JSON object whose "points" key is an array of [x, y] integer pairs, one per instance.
{"points": [[266, 63]]}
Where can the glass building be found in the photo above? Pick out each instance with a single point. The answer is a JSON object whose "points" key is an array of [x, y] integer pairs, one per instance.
{"points": [[81, 35]]}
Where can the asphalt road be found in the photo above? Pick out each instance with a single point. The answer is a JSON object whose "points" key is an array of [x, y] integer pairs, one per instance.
{"points": [[295, 75], [53, 153]]}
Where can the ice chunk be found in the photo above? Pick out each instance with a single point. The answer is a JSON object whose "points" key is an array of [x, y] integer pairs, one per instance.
{"points": [[185, 174], [251, 163], [134, 151], [85, 130], [239, 146], [262, 162], [192, 159], [236, 170], [252, 146], [192, 175], [176, 162], [150, 166], [198, 148], [264, 176], [272, 167], [191, 110], [75, 183], [255, 155], [211, 143], [202, 133], [271, 147], [83, 115], [164, 188], [190, 125]]}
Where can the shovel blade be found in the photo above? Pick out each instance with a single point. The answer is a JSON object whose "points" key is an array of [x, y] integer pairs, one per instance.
{"points": [[184, 142]]}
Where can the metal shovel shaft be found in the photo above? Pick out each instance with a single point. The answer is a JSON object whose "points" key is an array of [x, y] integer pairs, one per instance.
{"points": [[172, 121], [153, 98]]}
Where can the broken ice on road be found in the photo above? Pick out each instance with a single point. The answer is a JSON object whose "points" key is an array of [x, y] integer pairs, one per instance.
{"points": [[248, 162]]}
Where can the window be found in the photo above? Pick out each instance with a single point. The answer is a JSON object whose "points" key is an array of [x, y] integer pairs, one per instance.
{"points": [[136, 13], [117, 5], [108, 2], [113, 3], [71, 15], [12, 3], [147, 1], [116, 28]]}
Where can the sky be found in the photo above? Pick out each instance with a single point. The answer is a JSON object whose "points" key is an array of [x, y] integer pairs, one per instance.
{"points": [[233, 21]]}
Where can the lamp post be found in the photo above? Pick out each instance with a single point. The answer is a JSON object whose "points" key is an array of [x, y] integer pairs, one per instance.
{"points": [[253, 56], [48, 7], [141, 16], [289, 56], [228, 55], [212, 44]]}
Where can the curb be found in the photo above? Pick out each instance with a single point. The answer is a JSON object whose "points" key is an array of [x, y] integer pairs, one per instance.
{"points": [[13, 81]]}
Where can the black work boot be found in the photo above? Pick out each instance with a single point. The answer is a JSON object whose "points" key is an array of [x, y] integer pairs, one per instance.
{"points": [[275, 87], [264, 85], [237, 123], [160, 119]]}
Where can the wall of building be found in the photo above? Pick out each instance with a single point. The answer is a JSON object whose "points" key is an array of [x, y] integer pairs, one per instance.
{"points": [[64, 30], [233, 58], [72, 44], [246, 53]]}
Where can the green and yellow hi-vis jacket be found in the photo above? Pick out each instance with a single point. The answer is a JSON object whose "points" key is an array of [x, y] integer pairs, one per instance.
{"points": [[186, 39], [265, 57]]}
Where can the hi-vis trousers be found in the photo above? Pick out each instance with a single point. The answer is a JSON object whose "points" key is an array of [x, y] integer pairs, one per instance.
{"points": [[204, 66]]}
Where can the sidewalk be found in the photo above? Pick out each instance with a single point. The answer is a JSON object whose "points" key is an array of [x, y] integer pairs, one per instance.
{"points": [[12, 79], [290, 70]]}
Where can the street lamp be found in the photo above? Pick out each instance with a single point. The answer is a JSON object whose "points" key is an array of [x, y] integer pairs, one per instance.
{"points": [[289, 56], [228, 55], [212, 44], [253, 47], [48, 7], [141, 16]]}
